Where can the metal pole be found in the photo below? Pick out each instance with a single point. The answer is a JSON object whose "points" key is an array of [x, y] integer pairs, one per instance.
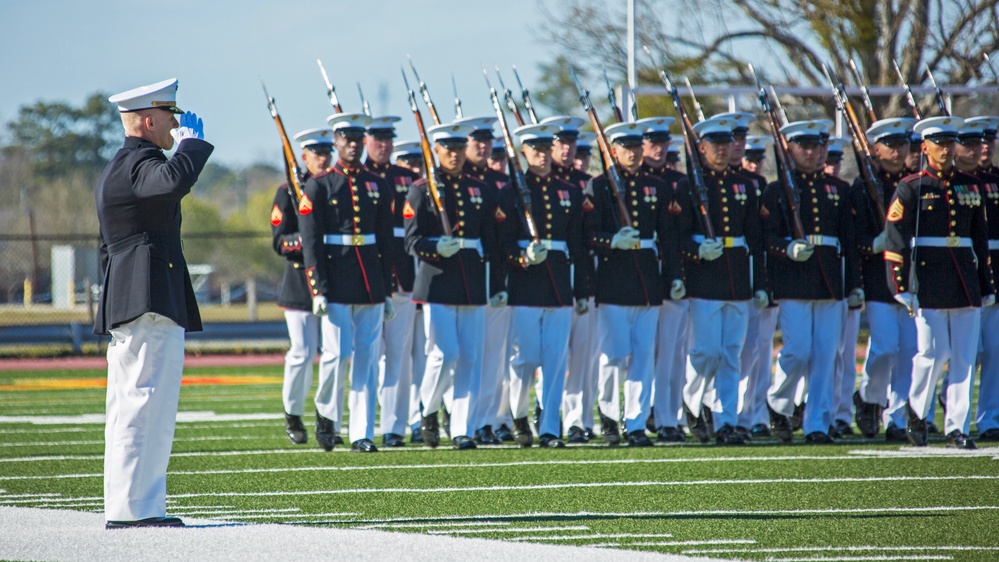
{"points": [[632, 73]]}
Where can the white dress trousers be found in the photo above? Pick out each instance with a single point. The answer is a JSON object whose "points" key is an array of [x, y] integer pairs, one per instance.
{"points": [[396, 367], [540, 339], [145, 363], [758, 362], [945, 337], [584, 359], [845, 379], [455, 335], [627, 353], [419, 366], [495, 366], [303, 331], [718, 331], [671, 361], [891, 347], [987, 413]]}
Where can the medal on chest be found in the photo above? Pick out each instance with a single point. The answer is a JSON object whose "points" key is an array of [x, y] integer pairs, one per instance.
{"points": [[650, 194], [372, 189], [739, 192]]}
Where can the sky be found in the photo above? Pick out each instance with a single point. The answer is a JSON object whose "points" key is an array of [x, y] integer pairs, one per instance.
{"points": [[64, 50]]}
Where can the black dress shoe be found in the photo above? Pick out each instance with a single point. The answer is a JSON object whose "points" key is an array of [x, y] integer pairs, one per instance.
{"points": [[295, 430], [363, 446], [485, 436], [325, 435], [650, 423], [590, 434], [415, 436], [148, 522], [430, 431], [504, 433], [670, 435], [726, 435], [867, 416], [446, 421], [932, 429], [337, 439], [537, 417], [818, 438], [744, 432], [915, 428], [760, 430], [797, 417], [780, 425], [578, 435], [843, 427], [393, 440], [895, 434], [709, 421], [638, 438], [462, 442], [609, 431], [550, 441], [989, 435], [522, 432], [834, 433], [958, 440], [697, 424]]}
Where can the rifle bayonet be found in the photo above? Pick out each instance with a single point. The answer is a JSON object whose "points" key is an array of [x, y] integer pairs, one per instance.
{"points": [[330, 90], [526, 96], [364, 102]]}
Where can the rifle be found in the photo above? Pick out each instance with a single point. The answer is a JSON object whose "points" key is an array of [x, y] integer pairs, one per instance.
{"points": [[526, 96], [941, 101], [634, 105], [364, 102], [695, 169], [780, 108], [908, 92], [428, 160], [291, 170], [457, 100], [425, 92], [871, 113], [865, 160], [330, 90], [613, 177], [988, 61], [612, 99], [517, 174], [508, 96], [693, 98]]}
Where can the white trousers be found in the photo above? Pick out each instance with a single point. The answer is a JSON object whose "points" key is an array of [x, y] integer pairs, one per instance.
{"points": [[627, 353], [145, 363], [419, 366], [455, 336], [758, 362], [396, 367], [845, 378], [540, 339], [891, 347], [718, 331], [303, 331], [987, 413], [351, 336], [495, 366], [945, 336], [811, 331], [581, 381], [671, 361]]}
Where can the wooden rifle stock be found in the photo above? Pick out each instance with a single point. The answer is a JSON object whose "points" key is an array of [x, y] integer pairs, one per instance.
{"points": [[428, 161], [291, 169]]}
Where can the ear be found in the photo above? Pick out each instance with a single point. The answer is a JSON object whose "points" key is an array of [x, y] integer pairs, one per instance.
{"points": [[148, 123]]}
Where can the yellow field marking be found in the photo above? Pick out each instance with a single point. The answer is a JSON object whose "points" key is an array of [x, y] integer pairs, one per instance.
{"points": [[101, 382]]}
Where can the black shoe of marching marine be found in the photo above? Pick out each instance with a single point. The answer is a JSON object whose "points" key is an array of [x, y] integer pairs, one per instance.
{"points": [[818, 438], [537, 417], [958, 440], [446, 421], [797, 417], [844, 427], [337, 440], [522, 432], [932, 429], [295, 429], [650, 423], [590, 434], [363, 446], [504, 433], [669, 435], [744, 432], [709, 421], [430, 431], [609, 431], [780, 425], [550, 441], [727, 435], [867, 416], [942, 400], [415, 436], [393, 440], [834, 433], [760, 430], [915, 428], [989, 435], [148, 522], [697, 424], [462, 443], [325, 435], [638, 438], [895, 434], [485, 436], [578, 435]]}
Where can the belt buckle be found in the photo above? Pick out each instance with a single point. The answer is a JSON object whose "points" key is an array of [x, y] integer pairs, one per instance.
{"points": [[952, 241], [728, 241], [816, 239], [357, 240]]}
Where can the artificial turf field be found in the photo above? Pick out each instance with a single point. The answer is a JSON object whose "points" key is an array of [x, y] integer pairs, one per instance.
{"points": [[856, 500]]}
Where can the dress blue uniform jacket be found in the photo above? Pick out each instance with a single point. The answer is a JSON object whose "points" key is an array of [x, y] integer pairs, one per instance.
{"points": [[400, 180], [867, 226], [138, 206], [287, 242], [579, 180]]}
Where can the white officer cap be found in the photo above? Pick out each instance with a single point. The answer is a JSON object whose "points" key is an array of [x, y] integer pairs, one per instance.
{"points": [[161, 95], [625, 134], [885, 129], [481, 127], [973, 128], [407, 148], [450, 133], [584, 142], [742, 120], [805, 131], [656, 128], [312, 137], [838, 144], [758, 143], [716, 129], [939, 129], [499, 148], [566, 126], [347, 121], [383, 125], [673, 149], [827, 127], [536, 134], [991, 124]]}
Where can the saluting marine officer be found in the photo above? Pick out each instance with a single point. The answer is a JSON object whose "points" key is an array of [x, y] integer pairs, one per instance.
{"points": [[952, 277], [346, 225], [147, 300], [296, 297]]}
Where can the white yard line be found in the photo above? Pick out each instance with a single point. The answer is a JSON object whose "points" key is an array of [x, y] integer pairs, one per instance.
{"points": [[673, 543], [512, 530], [848, 548], [98, 429], [101, 441], [423, 525], [595, 536], [228, 513], [864, 558], [182, 417]]}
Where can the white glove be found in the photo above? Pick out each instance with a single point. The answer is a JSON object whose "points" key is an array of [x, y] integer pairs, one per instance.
{"points": [[988, 300], [319, 306], [677, 290], [389, 309], [448, 246], [908, 300], [856, 298], [880, 242], [191, 127], [625, 239], [499, 299], [799, 250], [761, 300], [582, 306], [711, 249], [536, 253]]}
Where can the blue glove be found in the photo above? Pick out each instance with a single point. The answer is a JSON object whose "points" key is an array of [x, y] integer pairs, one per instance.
{"points": [[191, 127]]}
